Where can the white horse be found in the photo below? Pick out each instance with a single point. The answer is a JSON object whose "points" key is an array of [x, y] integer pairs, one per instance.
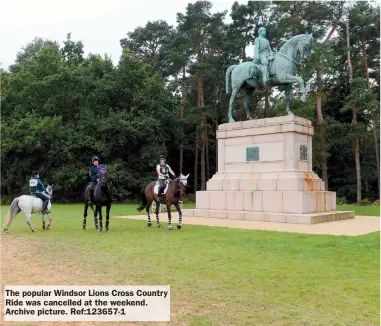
{"points": [[30, 205]]}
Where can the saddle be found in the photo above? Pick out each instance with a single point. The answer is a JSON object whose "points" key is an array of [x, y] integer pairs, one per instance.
{"points": [[156, 188]]}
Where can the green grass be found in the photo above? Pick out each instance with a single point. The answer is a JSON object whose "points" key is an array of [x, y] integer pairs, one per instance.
{"points": [[360, 210], [225, 276]]}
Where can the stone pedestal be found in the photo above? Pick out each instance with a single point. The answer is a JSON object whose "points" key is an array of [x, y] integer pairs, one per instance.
{"points": [[265, 174]]}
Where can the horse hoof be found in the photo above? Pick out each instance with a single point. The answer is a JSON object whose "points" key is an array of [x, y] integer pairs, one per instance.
{"points": [[149, 224], [33, 230], [178, 227], [100, 230], [159, 225], [5, 230], [170, 228], [107, 229]]}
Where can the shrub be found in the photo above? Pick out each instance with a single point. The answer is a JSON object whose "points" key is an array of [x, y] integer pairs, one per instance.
{"points": [[341, 201]]}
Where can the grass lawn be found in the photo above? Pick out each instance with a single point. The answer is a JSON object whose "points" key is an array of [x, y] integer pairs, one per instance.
{"points": [[360, 210], [223, 276]]}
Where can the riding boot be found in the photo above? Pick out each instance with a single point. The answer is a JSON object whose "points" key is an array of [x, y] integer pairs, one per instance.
{"points": [[45, 206], [264, 75]]}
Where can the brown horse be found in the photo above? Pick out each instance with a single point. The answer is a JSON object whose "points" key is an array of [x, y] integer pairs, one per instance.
{"points": [[174, 190]]}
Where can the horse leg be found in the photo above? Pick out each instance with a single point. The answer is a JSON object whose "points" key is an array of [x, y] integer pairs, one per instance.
{"points": [[295, 79], [108, 207], [100, 219], [232, 98], [170, 228], [28, 220], [148, 206], [49, 222], [85, 215], [180, 222], [95, 217], [248, 96], [288, 92], [43, 221], [157, 214]]}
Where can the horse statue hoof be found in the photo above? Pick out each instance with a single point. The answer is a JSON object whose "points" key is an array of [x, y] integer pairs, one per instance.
{"points": [[149, 224], [290, 113], [231, 120], [170, 228], [178, 226]]}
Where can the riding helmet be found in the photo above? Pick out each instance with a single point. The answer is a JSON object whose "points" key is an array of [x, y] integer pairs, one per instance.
{"points": [[95, 158], [35, 173]]}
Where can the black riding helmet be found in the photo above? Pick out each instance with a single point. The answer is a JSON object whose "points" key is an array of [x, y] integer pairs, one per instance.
{"points": [[95, 158], [162, 158], [35, 173]]}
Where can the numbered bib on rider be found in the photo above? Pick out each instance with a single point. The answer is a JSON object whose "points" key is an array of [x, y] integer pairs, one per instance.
{"points": [[33, 183]]}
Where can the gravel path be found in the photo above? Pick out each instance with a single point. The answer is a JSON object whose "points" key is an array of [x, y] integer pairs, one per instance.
{"points": [[353, 227]]}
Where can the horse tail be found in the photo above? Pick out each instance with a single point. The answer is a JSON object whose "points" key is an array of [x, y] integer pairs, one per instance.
{"points": [[14, 209], [228, 79], [144, 200]]}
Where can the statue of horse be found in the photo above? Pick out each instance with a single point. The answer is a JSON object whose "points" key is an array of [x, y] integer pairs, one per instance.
{"points": [[173, 192], [282, 68], [102, 197], [30, 204]]}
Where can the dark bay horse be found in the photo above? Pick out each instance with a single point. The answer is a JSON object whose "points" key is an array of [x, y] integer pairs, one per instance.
{"points": [[175, 189], [102, 197]]}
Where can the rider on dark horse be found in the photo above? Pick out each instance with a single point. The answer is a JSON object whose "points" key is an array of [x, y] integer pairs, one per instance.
{"points": [[163, 171], [36, 187], [93, 173]]}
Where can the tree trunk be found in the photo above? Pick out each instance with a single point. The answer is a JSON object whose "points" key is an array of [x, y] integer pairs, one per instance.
{"points": [[196, 162], [321, 128], [182, 117], [207, 159], [203, 159], [200, 91], [374, 117], [354, 121], [319, 109]]}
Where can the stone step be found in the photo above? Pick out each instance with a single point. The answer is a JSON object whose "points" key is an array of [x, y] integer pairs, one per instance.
{"points": [[297, 202], [313, 218]]}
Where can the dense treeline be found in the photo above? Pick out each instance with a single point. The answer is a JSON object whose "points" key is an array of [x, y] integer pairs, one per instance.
{"points": [[166, 96]]}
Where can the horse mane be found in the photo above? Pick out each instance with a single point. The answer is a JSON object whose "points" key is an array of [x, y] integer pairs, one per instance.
{"points": [[293, 41]]}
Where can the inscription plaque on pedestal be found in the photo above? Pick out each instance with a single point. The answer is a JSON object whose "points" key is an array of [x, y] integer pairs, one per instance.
{"points": [[252, 154]]}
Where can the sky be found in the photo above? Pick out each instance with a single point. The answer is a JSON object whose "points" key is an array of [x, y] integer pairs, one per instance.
{"points": [[98, 24]]}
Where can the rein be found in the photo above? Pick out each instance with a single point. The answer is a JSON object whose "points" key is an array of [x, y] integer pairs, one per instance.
{"points": [[289, 58]]}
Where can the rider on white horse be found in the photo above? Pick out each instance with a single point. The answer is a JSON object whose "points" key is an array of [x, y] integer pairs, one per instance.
{"points": [[36, 187], [162, 170]]}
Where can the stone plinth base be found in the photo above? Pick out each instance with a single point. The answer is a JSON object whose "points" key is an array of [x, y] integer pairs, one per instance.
{"points": [[265, 174], [312, 218]]}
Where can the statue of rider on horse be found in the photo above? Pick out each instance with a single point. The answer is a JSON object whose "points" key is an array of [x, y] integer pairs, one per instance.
{"points": [[269, 68]]}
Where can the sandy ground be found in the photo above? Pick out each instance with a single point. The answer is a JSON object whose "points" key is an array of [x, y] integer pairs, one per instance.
{"points": [[353, 227]]}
